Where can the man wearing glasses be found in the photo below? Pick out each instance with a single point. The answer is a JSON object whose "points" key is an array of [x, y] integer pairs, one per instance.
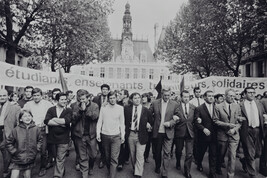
{"points": [[252, 129]]}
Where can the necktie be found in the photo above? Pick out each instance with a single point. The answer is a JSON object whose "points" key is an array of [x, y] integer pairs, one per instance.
{"points": [[135, 119], [186, 113], [198, 102], [252, 119], [229, 110]]}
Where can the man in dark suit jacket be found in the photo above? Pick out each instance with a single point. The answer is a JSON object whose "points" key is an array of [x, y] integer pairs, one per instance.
{"points": [[227, 117], [263, 159], [206, 133], [252, 130], [164, 112], [58, 119], [100, 100], [184, 133], [137, 124]]}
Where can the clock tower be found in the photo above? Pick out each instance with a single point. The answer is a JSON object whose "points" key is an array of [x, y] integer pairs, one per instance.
{"points": [[127, 54]]}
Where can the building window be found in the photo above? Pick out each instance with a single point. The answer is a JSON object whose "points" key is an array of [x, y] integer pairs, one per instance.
{"points": [[82, 72], [102, 72], [169, 77], [151, 73], [127, 73], [143, 73], [118, 72], [248, 70], [135, 73], [161, 77], [110, 72], [91, 73]]}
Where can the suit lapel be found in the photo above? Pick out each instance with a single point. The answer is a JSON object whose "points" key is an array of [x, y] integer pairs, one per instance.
{"points": [[7, 108], [207, 111], [243, 109], [181, 108], [160, 106]]}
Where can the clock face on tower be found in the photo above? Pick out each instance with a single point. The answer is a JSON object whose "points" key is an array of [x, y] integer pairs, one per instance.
{"points": [[127, 49]]}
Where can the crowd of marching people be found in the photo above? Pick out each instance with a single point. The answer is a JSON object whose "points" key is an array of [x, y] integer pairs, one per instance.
{"points": [[123, 128]]}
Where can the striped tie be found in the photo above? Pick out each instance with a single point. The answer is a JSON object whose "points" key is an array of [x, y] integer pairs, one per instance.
{"points": [[135, 119]]}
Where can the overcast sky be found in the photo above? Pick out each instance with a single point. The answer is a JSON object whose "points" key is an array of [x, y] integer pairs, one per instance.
{"points": [[145, 13]]}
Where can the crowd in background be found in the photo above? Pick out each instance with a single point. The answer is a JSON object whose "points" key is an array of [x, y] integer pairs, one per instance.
{"points": [[124, 127]]}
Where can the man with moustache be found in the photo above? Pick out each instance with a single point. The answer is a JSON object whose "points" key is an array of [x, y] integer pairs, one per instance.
{"points": [[252, 130], [227, 118], [137, 124], [9, 117], [184, 133], [164, 112]]}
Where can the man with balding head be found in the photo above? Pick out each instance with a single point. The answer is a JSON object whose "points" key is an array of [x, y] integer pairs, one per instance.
{"points": [[9, 115]]}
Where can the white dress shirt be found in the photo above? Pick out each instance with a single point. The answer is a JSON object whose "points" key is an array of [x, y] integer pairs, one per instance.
{"points": [[210, 108], [163, 112], [187, 109], [194, 101], [252, 113]]}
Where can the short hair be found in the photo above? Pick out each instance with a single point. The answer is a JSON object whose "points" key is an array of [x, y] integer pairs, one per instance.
{"points": [[206, 93], [24, 111], [184, 91], [150, 94], [165, 90], [125, 92], [59, 95], [68, 92], [37, 90], [12, 95], [247, 88], [217, 96], [105, 86], [230, 89], [83, 92], [111, 93], [28, 87], [56, 89], [196, 88], [147, 95], [265, 94], [134, 94]]}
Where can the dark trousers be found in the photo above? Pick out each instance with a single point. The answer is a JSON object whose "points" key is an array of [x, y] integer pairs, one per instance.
{"points": [[101, 150], [124, 153], [44, 150], [251, 147], [86, 148], [148, 145], [201, 150], [6, 155], [179, 144], [111, 145], [263, 159]]}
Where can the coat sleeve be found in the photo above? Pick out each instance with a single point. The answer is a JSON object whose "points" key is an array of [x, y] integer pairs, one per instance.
{"points": [[68, 118], [48, 116], [94, 113], [10, 143], [216, 119]]}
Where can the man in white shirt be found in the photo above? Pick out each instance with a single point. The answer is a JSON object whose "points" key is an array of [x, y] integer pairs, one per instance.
{"points": [[164, 112], [252, 131], [38, 108], [197, 101], [110, 131]]}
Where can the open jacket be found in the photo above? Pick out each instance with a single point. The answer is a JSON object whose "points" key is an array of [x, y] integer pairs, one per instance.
{"points": [[24, 143], [91, 113]]}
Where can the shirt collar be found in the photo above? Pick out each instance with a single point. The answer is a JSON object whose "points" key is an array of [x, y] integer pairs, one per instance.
{"points": [[164, 101]]}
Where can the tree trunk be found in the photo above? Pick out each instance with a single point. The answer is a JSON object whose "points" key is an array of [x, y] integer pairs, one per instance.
{"points": [[10, 55]]}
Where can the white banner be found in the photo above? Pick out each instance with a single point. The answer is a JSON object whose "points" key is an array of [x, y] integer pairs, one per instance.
{"points": [[17, 76], [220, 84]]}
